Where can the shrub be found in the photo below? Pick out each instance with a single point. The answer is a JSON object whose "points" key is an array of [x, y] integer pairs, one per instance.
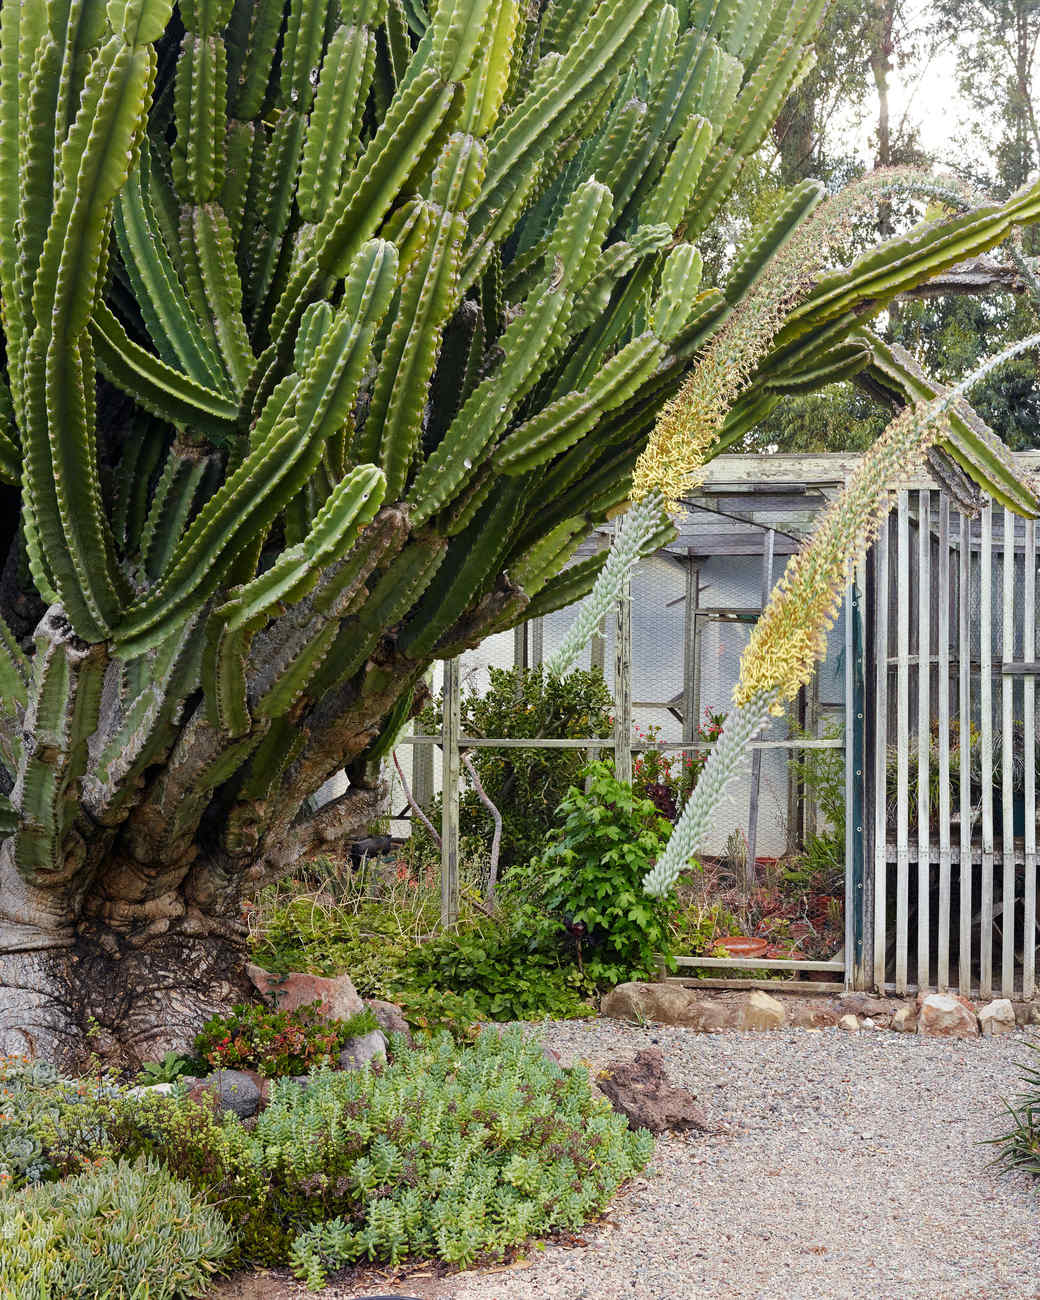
{"points": [[512, 969], [277, 1043], [590, 877], [527, 785], [122, 1232], [450, 1151], [49, 1125]]}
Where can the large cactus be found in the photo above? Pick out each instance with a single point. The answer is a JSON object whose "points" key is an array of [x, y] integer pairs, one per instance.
{"points": [[330, 328]]}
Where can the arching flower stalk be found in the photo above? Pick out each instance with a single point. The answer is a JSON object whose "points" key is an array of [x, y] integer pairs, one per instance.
{"points": [[791, 635], [678, 450], [636, 529]]}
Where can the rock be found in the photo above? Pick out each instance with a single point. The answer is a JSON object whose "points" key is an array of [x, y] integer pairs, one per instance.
{"points": [[997, 1017], [1027, 1013], [150, 1089], [363, 1050], [667, 1004], [338, 997], [807, 1015], [240, 1091], [760, 1011], [849, 1023], [391, 1018], [941, 1015], [869, 1024], [865, 1004], [639, 1090], [905, 1019]]}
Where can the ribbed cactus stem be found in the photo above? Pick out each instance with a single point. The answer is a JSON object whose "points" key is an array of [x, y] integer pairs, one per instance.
{"points": [[725, 762], [634, 534]]}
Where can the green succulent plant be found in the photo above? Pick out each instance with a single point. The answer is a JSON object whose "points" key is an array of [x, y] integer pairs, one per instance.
{"points": [[330, 328]]}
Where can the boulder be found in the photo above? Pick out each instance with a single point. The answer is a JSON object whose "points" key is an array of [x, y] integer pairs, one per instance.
{"points": [[363, 1050], [338, 997], [811, 1015], [866, 1004], [849, 1023], [942, 1015], [905, 1019], [639, 1090], [150, 1090], [667, 1004], [997, 1017], [390, 1017], [242, 1092], [760, 1011]]}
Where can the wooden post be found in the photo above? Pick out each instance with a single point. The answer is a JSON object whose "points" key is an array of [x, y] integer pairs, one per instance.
{"points": [[964, 752], [924, 735], [943, 683], [537, 641], [986, 749], [1029, 757], [902, 735], [881, 602], [451, 727], [1007, 745], [690, 719], [520, 646], [756, 756], [623, 687]]}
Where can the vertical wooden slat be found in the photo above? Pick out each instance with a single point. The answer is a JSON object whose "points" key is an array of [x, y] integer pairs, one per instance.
{"points": [[964, 748], [623, 688], [859, 867], [902, 736], [943, 685], [450, 796], [924, 721], [537, 641], [852, 831], [881, 588], [689, 662], [986, 749], [756, 757], [520, 646], [1007, 747], [1029, 757]]}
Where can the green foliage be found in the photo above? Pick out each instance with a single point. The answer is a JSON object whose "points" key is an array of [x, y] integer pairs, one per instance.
{"points": [[513, 968], [822, 772], [124, 1231], [1020, 1145], [278, 1043], [49, 1125], [527, 785], [590, 877], [450, 1152], [172, 1067]]}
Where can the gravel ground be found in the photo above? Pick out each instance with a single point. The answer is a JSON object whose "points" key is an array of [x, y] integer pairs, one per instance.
{"points": [[845, 1165]]}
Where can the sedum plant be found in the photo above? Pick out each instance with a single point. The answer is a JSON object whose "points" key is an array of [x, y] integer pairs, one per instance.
{"points": [[330, 328]]}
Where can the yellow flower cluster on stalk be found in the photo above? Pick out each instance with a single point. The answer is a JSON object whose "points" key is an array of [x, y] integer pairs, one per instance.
{"points": [[791, 635], [673, 462]]}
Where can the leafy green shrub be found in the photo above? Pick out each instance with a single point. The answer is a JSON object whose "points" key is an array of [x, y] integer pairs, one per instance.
{"points": [[526, 785], [172, 1067], [450, 1151], [122, 1232], [513, 969], [590, 877], [277, 1043]]}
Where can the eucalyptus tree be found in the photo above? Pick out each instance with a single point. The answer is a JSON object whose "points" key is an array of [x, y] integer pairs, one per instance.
{"points": [[330, 329]]}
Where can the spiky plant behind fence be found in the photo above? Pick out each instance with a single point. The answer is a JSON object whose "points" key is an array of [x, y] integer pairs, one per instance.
{"points": [[330, 329]]}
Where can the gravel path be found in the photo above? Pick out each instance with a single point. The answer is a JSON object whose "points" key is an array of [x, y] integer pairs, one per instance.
{"points": [[846, 1165]]}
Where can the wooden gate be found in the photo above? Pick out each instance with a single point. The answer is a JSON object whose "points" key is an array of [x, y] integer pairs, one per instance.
{"points": [[950, 755]]}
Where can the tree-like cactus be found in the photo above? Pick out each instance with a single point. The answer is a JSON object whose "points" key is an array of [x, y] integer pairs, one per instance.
{"points": [[330, 328]]}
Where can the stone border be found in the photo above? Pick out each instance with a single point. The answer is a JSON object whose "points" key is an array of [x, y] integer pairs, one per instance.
{"points": [[936, 1015]]}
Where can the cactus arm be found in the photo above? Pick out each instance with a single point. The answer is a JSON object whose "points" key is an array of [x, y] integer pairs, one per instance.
{"points": [[223, 291], [475, 554], [334, 131], [158, 388], [528, 346], [200, 95], [766, 242], [175, 497], [12, 18], [567, 587], [558, 426], [425, 304], [168, 315], [251, 37], [414, 117]]}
